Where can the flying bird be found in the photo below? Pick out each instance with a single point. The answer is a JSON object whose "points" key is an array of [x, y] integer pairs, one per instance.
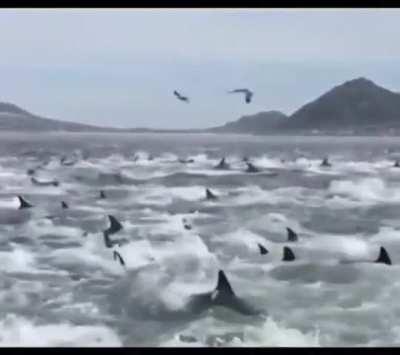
{"points": [[248, 94], [181, 97]]}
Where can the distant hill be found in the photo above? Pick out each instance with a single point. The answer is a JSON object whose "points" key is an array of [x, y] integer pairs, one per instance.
{"points": [[262, 122], [356, 104], [356, 107], [14, 118]]}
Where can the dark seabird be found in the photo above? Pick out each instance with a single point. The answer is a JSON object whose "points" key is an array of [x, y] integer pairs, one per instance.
{"points": [[181, 97], [247, 92]]}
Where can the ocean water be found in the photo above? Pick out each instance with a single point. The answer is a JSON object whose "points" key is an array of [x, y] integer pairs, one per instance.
{"points": [[60, 285]]}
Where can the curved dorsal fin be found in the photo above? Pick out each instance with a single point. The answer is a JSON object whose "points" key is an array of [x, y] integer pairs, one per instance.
{"points": [[64, 205], [115, 225], [262, 249], [102, 194], [383, 257], [210, 195], [292, 235], [223, 285], [23, 203], [288, 254], [118, 255]]}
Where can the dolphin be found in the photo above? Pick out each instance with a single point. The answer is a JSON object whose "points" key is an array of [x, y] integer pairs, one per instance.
{"points": [[396, 164], [292, 235], [118, 256], [223, 296], [186, 161], [115, 227], [262, 249], [102, 194], [222, 165], [65, 162], [64, 205], [251, 168], [383, 257], [288, 254], [210, 195], [23, 203], [325, 162], [44, 183], [186, 225]]}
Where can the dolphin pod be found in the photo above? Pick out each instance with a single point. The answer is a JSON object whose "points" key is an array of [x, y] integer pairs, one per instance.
{"points": [[223, 294]]}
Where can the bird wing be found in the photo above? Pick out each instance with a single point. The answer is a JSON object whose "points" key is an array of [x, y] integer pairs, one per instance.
{"points": [[245, 91]]}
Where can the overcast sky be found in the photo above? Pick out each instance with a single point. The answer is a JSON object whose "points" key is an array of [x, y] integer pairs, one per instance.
{"points": [[119, 67]]}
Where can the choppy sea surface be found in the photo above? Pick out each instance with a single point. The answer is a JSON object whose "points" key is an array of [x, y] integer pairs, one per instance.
{"points": [[60, 285]]}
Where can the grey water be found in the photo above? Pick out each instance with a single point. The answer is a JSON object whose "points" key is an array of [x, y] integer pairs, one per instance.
{"points": [[60, 285]]}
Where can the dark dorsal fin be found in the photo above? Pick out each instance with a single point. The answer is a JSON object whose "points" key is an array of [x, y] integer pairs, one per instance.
{"points": [[292, 235], [23, 203], [119, 257], [288, 254], [263, 250], [223, 285], [115, 225], [383, 257], [397, 164], [102, 194], [325, 162], [107, 241], [222, 164], [210, 195], [64, 205], [251, 168]]}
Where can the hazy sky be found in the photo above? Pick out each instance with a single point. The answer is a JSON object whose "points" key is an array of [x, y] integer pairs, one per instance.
{"points": [[118, 67]]}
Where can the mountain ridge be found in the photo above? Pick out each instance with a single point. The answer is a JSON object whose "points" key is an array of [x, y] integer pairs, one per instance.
{"points": [[355, 106]]}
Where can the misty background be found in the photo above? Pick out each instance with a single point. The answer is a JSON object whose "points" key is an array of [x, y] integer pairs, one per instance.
{"points": [[118, 67]]}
